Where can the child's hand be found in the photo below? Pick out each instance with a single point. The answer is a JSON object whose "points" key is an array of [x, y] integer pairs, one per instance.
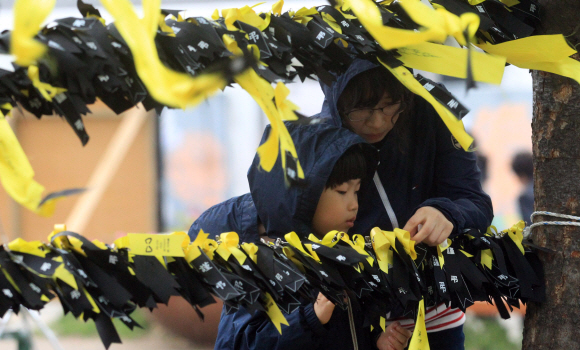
{"points": [[434, 230], [395, 337], [323, 308]]}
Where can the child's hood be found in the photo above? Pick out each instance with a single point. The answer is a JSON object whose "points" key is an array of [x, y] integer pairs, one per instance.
{"points": [[333, 92], [284, 209]]}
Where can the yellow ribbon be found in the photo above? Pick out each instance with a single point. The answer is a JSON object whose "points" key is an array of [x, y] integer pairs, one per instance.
{"points": [[331, 22], [16, 173], [279, 140], [165, 85], [10, 280], [46, 90], [274, 313], [419, 339], [164, 27], [358, 244], [516, 234], [64, 275], [251, 249], [293, 239], [154, 244], [487, 258], [28, 17], [290, 255], [454, 125], [277, 7], [34, 248], [404, 238], [509, 2], [201, 242], [381, 246], [436, 24], [304, 15], [92, 301], [452, 61], [330, 239], [440, 251], [247, 15], [548, 53], [229, 242]]}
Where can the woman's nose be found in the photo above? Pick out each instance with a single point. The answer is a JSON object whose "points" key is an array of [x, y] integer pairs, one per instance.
{"points": [[376, 120]]}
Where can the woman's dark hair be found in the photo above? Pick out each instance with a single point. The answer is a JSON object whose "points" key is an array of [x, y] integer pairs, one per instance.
{"points": [[351, 165], [368, 88]]}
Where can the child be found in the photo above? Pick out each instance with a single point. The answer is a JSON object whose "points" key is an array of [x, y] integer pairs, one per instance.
{"points": [[334, 161]]}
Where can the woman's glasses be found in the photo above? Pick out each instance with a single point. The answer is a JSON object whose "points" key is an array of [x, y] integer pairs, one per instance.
{"points": [[364, 114]]}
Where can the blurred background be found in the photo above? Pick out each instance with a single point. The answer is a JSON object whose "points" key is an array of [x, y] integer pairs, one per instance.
{"points": [[158, 174]]}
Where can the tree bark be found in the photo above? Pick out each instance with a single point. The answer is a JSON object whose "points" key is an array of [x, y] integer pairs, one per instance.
{"points": [[556, 149]]}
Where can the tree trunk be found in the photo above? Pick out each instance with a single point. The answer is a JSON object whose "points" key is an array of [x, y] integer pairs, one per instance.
{"points": [[556, 147]]}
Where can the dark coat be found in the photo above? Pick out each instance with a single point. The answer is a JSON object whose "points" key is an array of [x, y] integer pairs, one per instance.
{"points": [[282, 210], [431, 170]]}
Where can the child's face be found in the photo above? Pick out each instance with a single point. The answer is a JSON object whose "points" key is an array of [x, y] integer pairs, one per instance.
{"points": [[337, 208]]}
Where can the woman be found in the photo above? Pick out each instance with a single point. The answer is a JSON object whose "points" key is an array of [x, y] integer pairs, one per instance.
{"points": [[425, 183]]}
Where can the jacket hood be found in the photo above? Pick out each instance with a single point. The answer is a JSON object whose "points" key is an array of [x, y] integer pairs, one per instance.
{"points": [[284, 209], [332, 92]]}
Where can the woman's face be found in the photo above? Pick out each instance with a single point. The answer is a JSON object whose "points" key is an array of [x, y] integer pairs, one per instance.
{"points": [[373, 123]]}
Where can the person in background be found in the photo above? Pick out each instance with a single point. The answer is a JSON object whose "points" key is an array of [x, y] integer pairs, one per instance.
{"points": [[523, 167]]}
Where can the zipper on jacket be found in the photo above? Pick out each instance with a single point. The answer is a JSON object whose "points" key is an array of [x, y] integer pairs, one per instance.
{"points": [[385, 199]]}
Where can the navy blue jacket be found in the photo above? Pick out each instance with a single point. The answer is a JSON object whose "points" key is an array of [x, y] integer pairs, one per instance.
{"points": [[432, 170], [282, 210]]}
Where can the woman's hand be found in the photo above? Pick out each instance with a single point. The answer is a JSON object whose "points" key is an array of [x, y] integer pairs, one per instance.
{"points": [[429, 225], [323, 308], [395, 337]]}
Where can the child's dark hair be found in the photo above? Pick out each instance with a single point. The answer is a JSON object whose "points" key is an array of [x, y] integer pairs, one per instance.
{"points": [[351, 165]]}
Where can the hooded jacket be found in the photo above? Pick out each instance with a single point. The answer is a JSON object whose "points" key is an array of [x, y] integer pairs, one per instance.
{"points": [[431, 170], [283, 209]]}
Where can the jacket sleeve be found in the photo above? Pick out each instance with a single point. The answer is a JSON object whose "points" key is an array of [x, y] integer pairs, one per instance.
{"points": [[457, 187], [223, 217], [242, 331]]}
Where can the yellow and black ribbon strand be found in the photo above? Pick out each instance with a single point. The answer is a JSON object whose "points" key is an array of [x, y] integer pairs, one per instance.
{"points": [[277, 108], [165, 85], [67, 249]]}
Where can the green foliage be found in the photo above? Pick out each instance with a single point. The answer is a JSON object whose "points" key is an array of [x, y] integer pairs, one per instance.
{"points": [[70, 326], [487, 333]]}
